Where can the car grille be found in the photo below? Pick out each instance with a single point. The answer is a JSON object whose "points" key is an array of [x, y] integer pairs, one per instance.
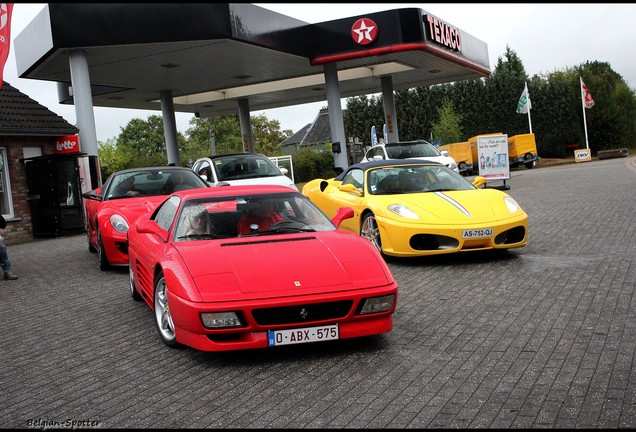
{"points": [[302, 313]]}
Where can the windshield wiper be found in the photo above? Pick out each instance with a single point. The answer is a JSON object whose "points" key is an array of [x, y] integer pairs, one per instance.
{"points": [[290, 226], [441, 190], [291, 229], [286, 226]]}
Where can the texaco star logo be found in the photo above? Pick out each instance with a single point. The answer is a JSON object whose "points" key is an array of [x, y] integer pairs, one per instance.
{"points": [[364, 31]]}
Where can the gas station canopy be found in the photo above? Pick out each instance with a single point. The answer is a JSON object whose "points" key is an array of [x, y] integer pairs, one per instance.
{"points": [[211, 55]]}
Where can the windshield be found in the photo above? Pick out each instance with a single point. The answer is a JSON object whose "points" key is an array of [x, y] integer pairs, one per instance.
{"points": [[415, 178], [152, 182], [249, 215], [411, 150], [244, 166]]}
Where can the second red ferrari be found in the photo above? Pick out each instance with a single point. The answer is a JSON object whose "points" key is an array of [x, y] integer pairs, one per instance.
{"points": [[123, 197]]}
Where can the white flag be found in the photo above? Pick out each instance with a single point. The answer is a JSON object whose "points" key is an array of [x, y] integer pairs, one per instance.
{"points": [[524, 105]]}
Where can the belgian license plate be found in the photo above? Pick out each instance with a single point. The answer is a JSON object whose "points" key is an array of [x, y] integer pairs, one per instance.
{"points": [[477, 233], [302, 335]]}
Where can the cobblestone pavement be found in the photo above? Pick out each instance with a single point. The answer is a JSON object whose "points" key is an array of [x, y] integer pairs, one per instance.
{"points": [[541, 337]]}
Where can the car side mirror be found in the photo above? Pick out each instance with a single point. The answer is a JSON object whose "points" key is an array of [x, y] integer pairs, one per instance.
{"points": [[349, 188], [342, 214], [283, 170], [92, 195], [444, 152], [151, 227], [479, 181]]}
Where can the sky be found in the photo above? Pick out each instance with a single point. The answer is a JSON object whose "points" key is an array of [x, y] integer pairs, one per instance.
{"points": [[547, 37]]}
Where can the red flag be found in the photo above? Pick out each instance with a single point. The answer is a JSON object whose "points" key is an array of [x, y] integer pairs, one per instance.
{"points": [[585, 94], [5, 35]]}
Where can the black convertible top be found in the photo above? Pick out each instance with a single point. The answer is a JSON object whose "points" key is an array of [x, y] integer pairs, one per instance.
{"points": [[385, 162]]}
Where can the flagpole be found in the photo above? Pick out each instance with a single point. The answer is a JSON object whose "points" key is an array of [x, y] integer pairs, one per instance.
{"points": [[525, 87], [587, 146]]}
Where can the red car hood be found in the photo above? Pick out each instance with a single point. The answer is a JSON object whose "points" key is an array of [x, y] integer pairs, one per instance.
{"points": [[134, 207], [283, 265]]}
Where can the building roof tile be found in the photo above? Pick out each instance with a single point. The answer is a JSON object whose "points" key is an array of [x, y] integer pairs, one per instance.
{"points": [[21, 115]]}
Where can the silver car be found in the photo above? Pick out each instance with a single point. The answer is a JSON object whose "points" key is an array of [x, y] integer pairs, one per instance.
{"points": [[419, 149]]}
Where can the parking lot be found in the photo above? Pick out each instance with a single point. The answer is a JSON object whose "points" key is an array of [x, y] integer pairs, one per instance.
{"points": [[541, 337]]}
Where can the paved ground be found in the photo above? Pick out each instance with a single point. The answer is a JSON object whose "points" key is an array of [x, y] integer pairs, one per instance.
{"points": [[544, 337]]}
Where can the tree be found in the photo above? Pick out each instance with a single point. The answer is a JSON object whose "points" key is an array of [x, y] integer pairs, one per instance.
{"points": [[468, 101], [415, 113], [488, 105], [111, 159], [143, 141], [610, 123], [267, 135], [360, 115], [503, 89], [555, 114], [227, 136], [448, 129]]}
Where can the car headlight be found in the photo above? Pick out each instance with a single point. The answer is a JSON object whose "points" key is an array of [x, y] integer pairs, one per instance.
{"points": [[512, 204], [452, 165], [402, 210], [118, 223], [219, 320], [377, 304]]}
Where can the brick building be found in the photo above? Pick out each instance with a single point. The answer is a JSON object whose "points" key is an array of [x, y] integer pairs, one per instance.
{"points": [[27, 130]]}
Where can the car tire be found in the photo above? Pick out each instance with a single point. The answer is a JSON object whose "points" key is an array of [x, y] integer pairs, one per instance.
{"points": [[369, 229], [163, 319], [133, 291], [462, 166], [91, 248], [101, 254]]}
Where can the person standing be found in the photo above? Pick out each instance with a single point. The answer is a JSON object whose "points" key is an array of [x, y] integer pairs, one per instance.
{"points": [[4, 256]]}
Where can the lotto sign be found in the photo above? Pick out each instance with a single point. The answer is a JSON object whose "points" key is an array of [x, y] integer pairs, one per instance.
{"points": [[67, 144], [582, 155]]}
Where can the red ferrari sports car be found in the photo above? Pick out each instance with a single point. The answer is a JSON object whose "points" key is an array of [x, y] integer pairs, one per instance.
{"points": [[291, 277], [125, 196]]}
